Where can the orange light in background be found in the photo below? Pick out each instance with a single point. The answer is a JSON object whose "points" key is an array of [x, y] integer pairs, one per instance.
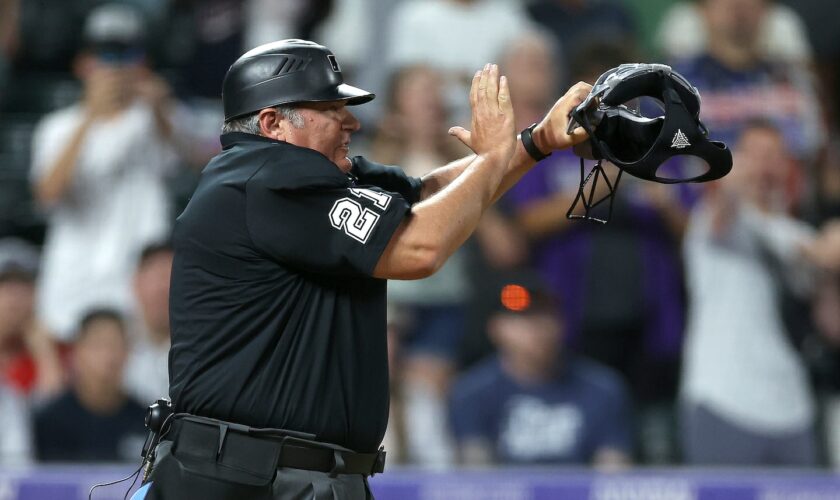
{"points": [[516, 298]]}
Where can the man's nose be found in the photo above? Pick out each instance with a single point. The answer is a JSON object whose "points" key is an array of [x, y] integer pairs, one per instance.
{"points": [[350, 122]]}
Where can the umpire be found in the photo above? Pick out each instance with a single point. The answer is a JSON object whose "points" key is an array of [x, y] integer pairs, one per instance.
{"points": [[278, 366]]}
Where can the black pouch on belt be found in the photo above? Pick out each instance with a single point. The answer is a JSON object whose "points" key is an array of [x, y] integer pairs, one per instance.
{"points": [[212, 451]]}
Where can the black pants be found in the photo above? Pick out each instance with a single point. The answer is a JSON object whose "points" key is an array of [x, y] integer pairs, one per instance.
{"points": [[183, 478]]}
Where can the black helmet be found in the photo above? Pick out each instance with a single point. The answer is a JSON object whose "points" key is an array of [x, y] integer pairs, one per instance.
{"points": [[285, 72]]}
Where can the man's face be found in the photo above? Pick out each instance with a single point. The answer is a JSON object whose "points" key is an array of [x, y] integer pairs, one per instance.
{"points": [[534, 337], [762, 167], [151, 286], [736, 21], [17, 297], [327, 128], [100, 354]]}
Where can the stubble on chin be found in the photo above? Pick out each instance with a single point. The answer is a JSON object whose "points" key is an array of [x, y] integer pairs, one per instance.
{"points": [[344, 164]]}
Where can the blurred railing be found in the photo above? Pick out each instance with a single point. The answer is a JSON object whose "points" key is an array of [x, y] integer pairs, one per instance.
{"points": [[73, 483]]}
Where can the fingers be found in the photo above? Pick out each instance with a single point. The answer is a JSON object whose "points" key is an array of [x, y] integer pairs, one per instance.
{"points": [[483, 81], [504, 95], [493, 84], [578, 136], [462, 135], [474, 89], [574, 96], [487, 84], [492, 113]]}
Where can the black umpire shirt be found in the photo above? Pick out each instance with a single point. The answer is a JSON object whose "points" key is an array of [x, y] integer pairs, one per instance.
{"points": [[276, 320]]}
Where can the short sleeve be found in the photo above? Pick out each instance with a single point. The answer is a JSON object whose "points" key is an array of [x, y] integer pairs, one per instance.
{"points": [[387, 177], [325, 229]]}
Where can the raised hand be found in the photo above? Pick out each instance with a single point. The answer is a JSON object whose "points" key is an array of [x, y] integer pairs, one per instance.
{"points": [[106, 92], [550, 134], [492, 126]]}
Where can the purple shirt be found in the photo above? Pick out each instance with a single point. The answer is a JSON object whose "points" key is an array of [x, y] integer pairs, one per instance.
{"points": [[643, 281]]}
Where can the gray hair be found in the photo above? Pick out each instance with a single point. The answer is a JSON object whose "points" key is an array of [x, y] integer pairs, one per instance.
{"points": [[250, 124]]}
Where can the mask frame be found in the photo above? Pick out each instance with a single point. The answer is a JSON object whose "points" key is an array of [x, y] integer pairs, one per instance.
{"points": [[637, 144]]}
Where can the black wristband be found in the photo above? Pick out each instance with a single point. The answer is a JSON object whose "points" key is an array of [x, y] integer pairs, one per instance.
{"points": [[528, 143]]}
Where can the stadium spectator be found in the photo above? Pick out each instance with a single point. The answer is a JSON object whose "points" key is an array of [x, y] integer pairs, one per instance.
{"points": [[745, 391], [413, 134], [94, 420], [99, 168], [825, 202], [270, 20], [9, 14], [413, 127], [737, 82], [29, 360], [147, 371], [45, 33], [500, 244], [825, 250], [536, 403], [18, 266], [827, 323], [824, 37], [16, 438], [531, 59], [200, 40], [578, 23], [453, 37], [621, 283], [782, 35]]}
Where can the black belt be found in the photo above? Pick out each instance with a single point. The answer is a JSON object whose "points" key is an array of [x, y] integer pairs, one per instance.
{"points": [[262, 450]]}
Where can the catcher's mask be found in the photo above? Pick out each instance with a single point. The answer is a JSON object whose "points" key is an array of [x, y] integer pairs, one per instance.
{"points": [[640, 145]]}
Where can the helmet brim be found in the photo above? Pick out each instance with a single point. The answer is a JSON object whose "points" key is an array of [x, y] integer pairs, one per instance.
{"points": [[355, 95], [352, 95]]}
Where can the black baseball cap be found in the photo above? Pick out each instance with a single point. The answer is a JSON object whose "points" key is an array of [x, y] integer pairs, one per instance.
{"points": [[524, 292], [115, 31]]}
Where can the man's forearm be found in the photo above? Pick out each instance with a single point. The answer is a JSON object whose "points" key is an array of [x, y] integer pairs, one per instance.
{"points": [[520, 163], [441, 222], [441, 177], [55, 183]]}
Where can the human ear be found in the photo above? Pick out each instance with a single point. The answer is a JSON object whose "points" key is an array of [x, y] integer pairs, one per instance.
{"points": [[271, 124]]}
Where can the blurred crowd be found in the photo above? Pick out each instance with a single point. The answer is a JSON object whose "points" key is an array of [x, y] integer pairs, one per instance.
{"points": [[701, 326]]}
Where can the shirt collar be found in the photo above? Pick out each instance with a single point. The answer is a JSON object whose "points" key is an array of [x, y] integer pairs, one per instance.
{"points": [[231, 138]]}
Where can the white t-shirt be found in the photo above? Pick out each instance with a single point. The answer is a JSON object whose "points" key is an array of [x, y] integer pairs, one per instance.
{"points": [[146, 375], [16, 438], [738, 360], [454, 36], [116, 205]]}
